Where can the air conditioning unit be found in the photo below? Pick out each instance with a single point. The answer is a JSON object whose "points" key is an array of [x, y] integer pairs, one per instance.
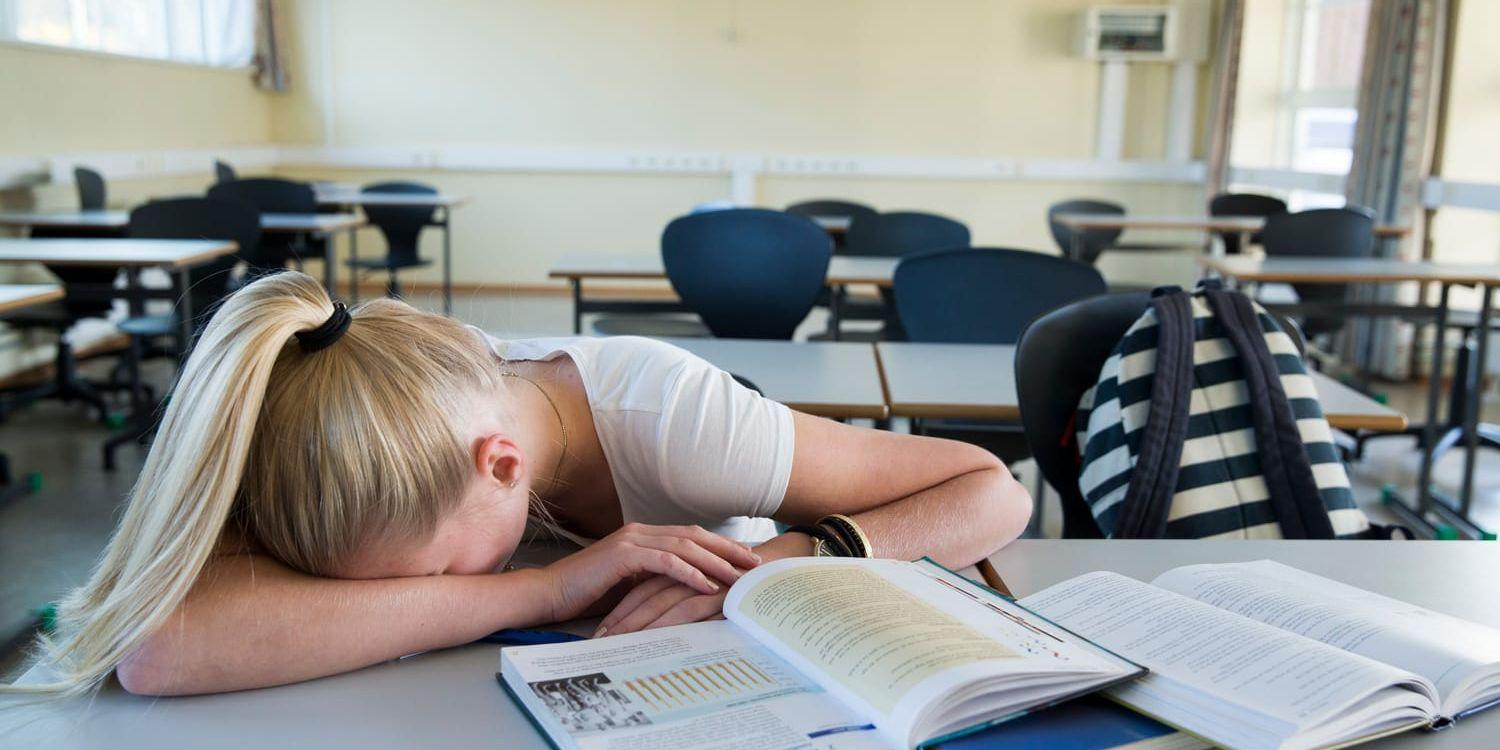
{"points": [[1138, 33]]}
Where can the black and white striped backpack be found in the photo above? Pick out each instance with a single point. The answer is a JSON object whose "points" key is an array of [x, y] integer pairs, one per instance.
{"points": [[1204, 424]]}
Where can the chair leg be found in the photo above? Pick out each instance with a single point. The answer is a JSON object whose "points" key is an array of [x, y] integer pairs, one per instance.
{"points": [[393, 286], [67, 385], [142, 416]]}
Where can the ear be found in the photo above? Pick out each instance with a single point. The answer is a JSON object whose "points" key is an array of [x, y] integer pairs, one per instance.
{"points": [[498, 457]]}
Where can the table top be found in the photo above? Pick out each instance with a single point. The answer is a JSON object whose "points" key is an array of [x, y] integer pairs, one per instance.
{"points": [[1199, 222], [270, 222], [829, 379], [1346, 270], [313, 223], [20, 296], [978, 381], [114, 252], [842, 269], [833, 224], [450, 698], [350, 196]]}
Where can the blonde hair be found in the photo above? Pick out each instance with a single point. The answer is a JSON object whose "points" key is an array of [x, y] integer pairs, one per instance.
{"points": [[313, 453]]}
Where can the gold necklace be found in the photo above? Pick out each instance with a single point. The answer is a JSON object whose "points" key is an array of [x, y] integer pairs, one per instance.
{"points": [[563, 426]]}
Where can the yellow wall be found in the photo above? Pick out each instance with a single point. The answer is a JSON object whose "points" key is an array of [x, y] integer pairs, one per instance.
{"points": [[967, 78], [1257, 93]]}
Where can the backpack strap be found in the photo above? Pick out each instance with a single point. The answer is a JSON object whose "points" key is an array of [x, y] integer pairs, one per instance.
{"points": [[1153, 481], [1283, 460]]}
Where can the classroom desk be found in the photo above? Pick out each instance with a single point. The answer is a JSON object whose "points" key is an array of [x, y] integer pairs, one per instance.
{"points": [[1241, 225], [1255, 269], [15, 297], [978, 381], [826, 378], [833, 224], [346, 196], [173, 256], [322, 225], [450, 698], [576, 268]]}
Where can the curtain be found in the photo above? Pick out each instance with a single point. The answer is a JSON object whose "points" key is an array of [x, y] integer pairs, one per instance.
{"points": [[270, 62], [1225, 75], [1399, 88]]}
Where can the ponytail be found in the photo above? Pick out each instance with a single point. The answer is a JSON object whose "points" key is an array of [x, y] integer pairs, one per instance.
{"points": [[246, 370]]}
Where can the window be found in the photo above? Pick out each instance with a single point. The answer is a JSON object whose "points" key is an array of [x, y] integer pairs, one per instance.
{"points": [[1319, 101], [206, 32]]}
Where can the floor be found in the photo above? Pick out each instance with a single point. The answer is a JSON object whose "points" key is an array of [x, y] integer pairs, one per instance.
{"points": [[50, 539]]}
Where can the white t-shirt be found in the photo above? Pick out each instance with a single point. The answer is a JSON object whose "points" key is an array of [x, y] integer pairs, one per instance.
{"points": [[686, 443]]}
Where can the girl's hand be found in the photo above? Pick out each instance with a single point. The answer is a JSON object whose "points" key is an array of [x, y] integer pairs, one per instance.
{"points": [[701, 561], [659, 602]]}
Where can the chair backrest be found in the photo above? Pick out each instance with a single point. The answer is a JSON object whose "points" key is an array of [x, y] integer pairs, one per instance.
{"points": [[747, 272], [223, 172], [268, 195], [1091, 242], [90, 189], [401, 225], [833, 207], [985, 295], [1059, 357], [206, 219], [1243, 204], [899, 233], [1324, 233]]}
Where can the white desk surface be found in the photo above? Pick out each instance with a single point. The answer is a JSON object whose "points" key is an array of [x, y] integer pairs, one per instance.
{"points": [[113, 252], [1189, 222], [69, 219], [349, 196], [833, 224], [450, 699], [314, 223], [1348, 270], [20, 296], [969, 381], [270, 222], [842, 269], [826, 378]]}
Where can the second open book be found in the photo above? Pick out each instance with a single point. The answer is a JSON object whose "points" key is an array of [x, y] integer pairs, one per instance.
{"points": [[834, 653]]}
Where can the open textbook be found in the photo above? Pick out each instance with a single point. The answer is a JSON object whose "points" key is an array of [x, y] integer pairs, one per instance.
{"points": [[1261, 655], [815, 653]]}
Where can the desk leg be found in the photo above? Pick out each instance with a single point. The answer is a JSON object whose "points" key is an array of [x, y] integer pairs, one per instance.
{"points": [[448, 266], [577, 284], [184, 315], [835, 316], [135, 300], [1434, 390], [1476, 396], [353, 269], [328, 281], [1076, 251]]}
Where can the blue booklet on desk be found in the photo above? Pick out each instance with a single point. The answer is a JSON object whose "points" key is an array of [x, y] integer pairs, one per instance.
{"points": [[1090, 723]]}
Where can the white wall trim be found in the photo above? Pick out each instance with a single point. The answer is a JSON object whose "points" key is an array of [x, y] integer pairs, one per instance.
{"points": [[1288, 179], [743, 169], [126, 165], [1482, 196]]}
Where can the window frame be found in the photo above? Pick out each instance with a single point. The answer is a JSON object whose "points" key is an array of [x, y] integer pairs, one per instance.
{"points": [[8, 39]]}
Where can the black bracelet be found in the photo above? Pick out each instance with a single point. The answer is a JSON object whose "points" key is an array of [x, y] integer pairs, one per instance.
{"points": [[828, 538], [853, 536]]}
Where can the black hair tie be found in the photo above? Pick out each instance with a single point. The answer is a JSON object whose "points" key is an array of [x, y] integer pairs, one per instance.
{"points": [[329, 332]]}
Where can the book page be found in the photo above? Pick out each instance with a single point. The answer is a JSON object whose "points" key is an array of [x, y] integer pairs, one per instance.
{"points": [[891, 639], [1291, 680], [703, 685], [1442, 648]]}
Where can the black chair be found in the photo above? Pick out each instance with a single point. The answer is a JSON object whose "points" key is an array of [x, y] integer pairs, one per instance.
{"points": [[985, 295], [208, 285], [1243, 204], [84, 296], [272, 195], [894, 235], [1091, 243], [401, 226], [90, 189], [1058, 358], [223, 172], [835, 208], [1321, 233], [749, 272]]}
